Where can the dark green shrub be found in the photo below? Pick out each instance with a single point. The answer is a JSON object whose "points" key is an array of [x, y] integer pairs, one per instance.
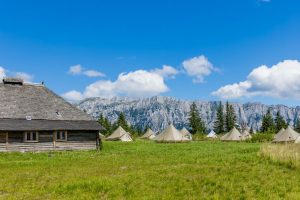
{"points": [[261, 137], [199, 137]]}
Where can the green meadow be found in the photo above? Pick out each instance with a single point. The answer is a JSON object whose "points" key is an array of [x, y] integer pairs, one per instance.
{"points": [[148, 170]]}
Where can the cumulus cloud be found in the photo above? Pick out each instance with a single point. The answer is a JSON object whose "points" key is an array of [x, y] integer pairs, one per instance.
{"points": [[140, 83], [73, 95], [279, 81], [167, 71], [101, 89], [24, 76], [93, 73], [75, 70], [198, 67], [79, 70], [2, 72]]}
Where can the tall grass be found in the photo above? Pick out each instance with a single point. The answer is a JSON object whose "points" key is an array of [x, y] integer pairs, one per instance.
{"points": [[148, 170], [288, 154]]}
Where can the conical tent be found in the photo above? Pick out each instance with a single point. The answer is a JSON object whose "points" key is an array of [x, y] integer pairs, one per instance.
{"points": [[212, 134], [148, 135], [233, 135], [246, 135], [186, 134], [170, 134], [279, 134], [101, 135], [297, 141], [288, 135], [120, 134]]}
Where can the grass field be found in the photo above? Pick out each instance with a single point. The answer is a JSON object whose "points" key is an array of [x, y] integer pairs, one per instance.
{"points": [[288, 154], [146, 170]]}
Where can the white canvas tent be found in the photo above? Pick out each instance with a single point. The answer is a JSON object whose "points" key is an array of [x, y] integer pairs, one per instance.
{"points": [[233, 135], [101, 135], [212, 134], [120, 134], [186, 134], [170, 134], [288, 135], [279, 134], [246, 135], [297, 141], [148, 135]]}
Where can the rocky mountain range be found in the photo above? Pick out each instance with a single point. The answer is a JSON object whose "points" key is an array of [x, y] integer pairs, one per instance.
{"points": [[157, 112]]}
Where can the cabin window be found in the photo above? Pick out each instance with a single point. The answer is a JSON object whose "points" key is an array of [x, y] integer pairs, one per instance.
{"points": [[31, 136], [61, 135]]}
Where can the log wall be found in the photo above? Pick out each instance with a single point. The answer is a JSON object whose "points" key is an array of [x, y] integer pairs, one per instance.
{"points": [[77, 140]]}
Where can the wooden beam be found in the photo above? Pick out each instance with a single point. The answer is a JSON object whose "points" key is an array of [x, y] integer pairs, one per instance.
{"points": [[6, 140], [54, 139], [98, 142]]}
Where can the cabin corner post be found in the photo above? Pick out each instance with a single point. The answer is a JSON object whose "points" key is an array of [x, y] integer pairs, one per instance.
{"points": [[98, 142], [54, 140], [6, 140]]}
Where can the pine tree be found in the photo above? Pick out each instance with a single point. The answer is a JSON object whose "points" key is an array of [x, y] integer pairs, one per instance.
{"points": [[219, 123], [251, 130], [105, 123], [279, 122], [195, 121], [297, 125], [108, 127], [230, 117], [101, 119], [122, 122], [268, 125]]}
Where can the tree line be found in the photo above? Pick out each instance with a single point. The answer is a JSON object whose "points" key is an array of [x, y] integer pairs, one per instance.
{"points": [[121, 121], [225, 120]]}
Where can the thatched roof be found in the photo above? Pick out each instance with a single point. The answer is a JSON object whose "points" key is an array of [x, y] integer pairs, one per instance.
{"points": [[30, 102]]}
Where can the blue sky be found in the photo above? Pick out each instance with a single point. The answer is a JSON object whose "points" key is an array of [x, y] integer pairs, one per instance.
{"points": [[188, 49]]}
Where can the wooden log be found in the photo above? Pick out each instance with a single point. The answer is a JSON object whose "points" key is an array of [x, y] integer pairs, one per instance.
{"points": [[6, 140]]}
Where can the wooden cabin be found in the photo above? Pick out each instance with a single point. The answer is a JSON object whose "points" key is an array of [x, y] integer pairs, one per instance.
{"points": [[33, 118]]}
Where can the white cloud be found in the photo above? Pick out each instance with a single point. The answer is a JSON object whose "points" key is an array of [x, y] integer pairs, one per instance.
{"points": [[279, 81], [73, 96], [233, 91], [93, 73], [24, 76], [198, 67], [140, 83], [101, 89], [167, 71], [79, 70], [2, 73], [75, 70]]}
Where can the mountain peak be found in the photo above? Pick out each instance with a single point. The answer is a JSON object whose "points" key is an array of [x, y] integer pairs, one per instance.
{"points": [[156, 112]]}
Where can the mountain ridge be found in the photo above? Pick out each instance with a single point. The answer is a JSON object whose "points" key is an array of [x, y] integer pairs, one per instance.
{"points": [[156, 112]]}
